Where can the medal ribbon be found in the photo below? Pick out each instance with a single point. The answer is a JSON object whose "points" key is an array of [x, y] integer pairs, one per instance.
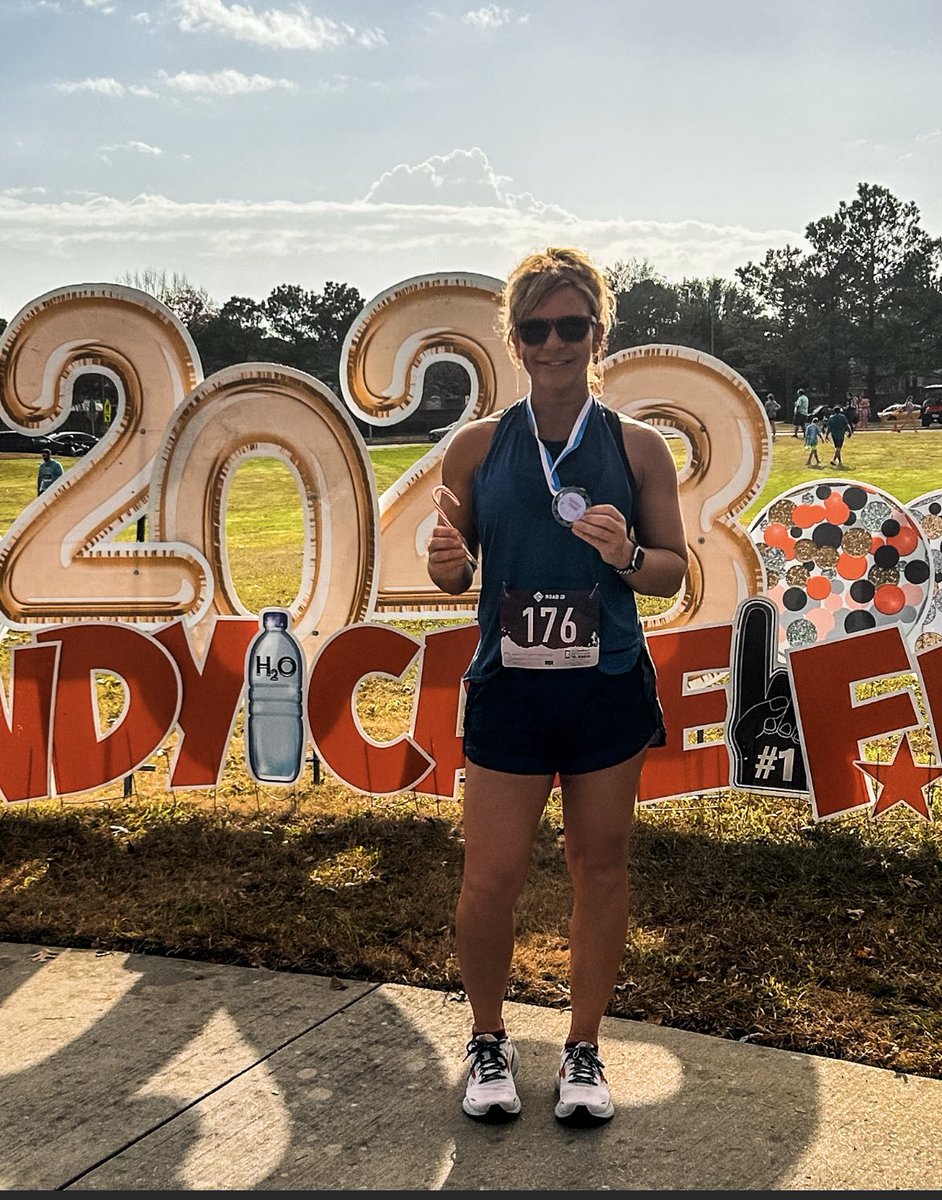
{"points": [[575, 437]]}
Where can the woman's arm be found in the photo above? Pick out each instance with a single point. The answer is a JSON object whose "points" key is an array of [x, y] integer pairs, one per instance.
{"points": [[658, 524], [455, 538]]}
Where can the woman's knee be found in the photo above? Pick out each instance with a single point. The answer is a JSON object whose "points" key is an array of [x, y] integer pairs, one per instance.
{"points": [[492, 884], [601, 874]]}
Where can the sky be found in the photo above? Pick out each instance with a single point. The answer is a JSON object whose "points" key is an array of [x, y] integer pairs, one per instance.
{"points": [[249, 144]]}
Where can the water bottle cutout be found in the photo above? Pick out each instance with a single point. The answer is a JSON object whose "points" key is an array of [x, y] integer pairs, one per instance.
{"points": [[274, 723]]}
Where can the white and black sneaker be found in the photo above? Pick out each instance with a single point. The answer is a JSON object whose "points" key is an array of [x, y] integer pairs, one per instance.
{"points": [[584, 1098], [491, 1093]]}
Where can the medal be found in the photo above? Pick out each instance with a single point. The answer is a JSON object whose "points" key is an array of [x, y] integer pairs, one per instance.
{"points": [[569, 504]]}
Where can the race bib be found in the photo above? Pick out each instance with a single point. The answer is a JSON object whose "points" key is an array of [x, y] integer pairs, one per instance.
{"points": [[549, 630]]}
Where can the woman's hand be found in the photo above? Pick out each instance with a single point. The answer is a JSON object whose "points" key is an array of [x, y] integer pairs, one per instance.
{"points": [[449, 561], [603, 527]]}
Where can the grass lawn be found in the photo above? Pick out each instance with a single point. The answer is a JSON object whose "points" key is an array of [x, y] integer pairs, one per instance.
{"points": [[748, 920]]}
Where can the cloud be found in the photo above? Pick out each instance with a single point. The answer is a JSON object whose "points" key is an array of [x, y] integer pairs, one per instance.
{"points": [[462, 177], [285, 30], [100, 86], [133, 147], [221, 83], [23, 191], [250, 246], [491, 16], [102, 6]]}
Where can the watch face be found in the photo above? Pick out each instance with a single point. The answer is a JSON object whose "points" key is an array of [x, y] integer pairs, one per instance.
{"points": [[637, 559]]}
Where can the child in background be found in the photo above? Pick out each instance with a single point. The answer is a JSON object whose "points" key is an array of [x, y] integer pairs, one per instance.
{"points": [[811, 442]]}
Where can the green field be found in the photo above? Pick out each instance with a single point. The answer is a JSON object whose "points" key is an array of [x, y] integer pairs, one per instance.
{"points": [[265, 511], [264, 524]]}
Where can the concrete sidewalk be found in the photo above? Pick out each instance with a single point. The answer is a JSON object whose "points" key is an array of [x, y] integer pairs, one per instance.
{"points": [[131, 1072]]}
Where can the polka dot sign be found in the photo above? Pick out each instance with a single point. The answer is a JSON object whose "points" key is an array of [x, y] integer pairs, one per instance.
{"points": [[842, 557], [927, 512]]}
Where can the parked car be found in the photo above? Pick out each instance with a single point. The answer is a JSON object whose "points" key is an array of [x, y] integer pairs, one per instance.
{"points": [[931, 404], [14, 442], [436, 435], [890, 414], [73, 443]]}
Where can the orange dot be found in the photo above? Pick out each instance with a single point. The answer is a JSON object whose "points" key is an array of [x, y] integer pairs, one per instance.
{"points": [[806, 515], [776, 535], [850, 566], [876, 543], [889, 599], [818, 587], [837, 511], [906, 540]]}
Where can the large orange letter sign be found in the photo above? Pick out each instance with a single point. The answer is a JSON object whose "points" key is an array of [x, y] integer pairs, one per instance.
{"points": [[834, 723], [26, 724], [683, 766], [83, 757], [348, 657]]}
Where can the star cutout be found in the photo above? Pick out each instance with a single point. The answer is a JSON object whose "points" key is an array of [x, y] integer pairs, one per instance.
{"points": [[902, 780]]}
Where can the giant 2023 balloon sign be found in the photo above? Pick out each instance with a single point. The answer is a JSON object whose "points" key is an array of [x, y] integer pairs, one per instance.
{"points": [[775, 626]]}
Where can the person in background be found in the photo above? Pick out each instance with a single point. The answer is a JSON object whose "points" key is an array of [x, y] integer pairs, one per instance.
{"points": [[772, 408], [908, 416], [863, 407], [576, 510], [801, 412], [839, 429], [812, 433], [49, 471]]}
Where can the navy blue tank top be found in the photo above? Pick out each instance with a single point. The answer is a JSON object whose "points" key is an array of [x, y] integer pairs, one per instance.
{"points": [[524, 546]]}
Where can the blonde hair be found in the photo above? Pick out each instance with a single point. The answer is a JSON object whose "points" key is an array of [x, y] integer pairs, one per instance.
{"points": [[540, 274]]}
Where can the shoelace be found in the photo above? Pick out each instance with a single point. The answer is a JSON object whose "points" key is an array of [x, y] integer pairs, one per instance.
{"points": [[585, 1066], [490, 1061]]}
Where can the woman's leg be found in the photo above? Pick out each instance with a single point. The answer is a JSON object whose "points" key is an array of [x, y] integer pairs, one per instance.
{"points": [[597, 817], [501, 815]]}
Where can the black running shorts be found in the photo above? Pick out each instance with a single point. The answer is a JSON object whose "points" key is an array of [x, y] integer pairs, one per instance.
{"points": [[569, 721]]}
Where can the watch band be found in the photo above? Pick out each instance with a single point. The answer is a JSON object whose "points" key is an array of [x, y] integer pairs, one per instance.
{"points": [[636, 561]]}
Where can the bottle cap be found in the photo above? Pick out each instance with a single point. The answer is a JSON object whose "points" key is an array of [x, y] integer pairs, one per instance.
{"points": [[272, 619]]}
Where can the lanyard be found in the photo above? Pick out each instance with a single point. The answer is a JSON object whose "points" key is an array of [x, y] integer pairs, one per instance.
{"points": [[575, 437]]}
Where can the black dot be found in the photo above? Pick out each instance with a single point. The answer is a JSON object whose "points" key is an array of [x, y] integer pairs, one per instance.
{"points": [[889, 528], [794, 599], [827, 534], [796, 532], [850, 519], [862, 591], [916, 571], [886, 556], [855, 497], [809, 566], [854, 622], [935, 508], [822, 491]]}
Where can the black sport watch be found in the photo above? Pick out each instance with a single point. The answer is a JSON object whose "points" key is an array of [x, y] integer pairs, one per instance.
{"points": [[636, 561]]}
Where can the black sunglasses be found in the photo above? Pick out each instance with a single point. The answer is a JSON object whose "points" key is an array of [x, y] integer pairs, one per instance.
{"points": [[535, 330]]}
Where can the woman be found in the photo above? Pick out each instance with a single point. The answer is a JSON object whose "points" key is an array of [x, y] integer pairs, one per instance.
{"points": [[575, 509]]}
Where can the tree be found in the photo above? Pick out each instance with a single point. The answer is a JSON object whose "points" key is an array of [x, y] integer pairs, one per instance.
{"points": [[883, 263], [191, 304], [291, 314], [645, 313], [778, 286], [236, 334]]}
